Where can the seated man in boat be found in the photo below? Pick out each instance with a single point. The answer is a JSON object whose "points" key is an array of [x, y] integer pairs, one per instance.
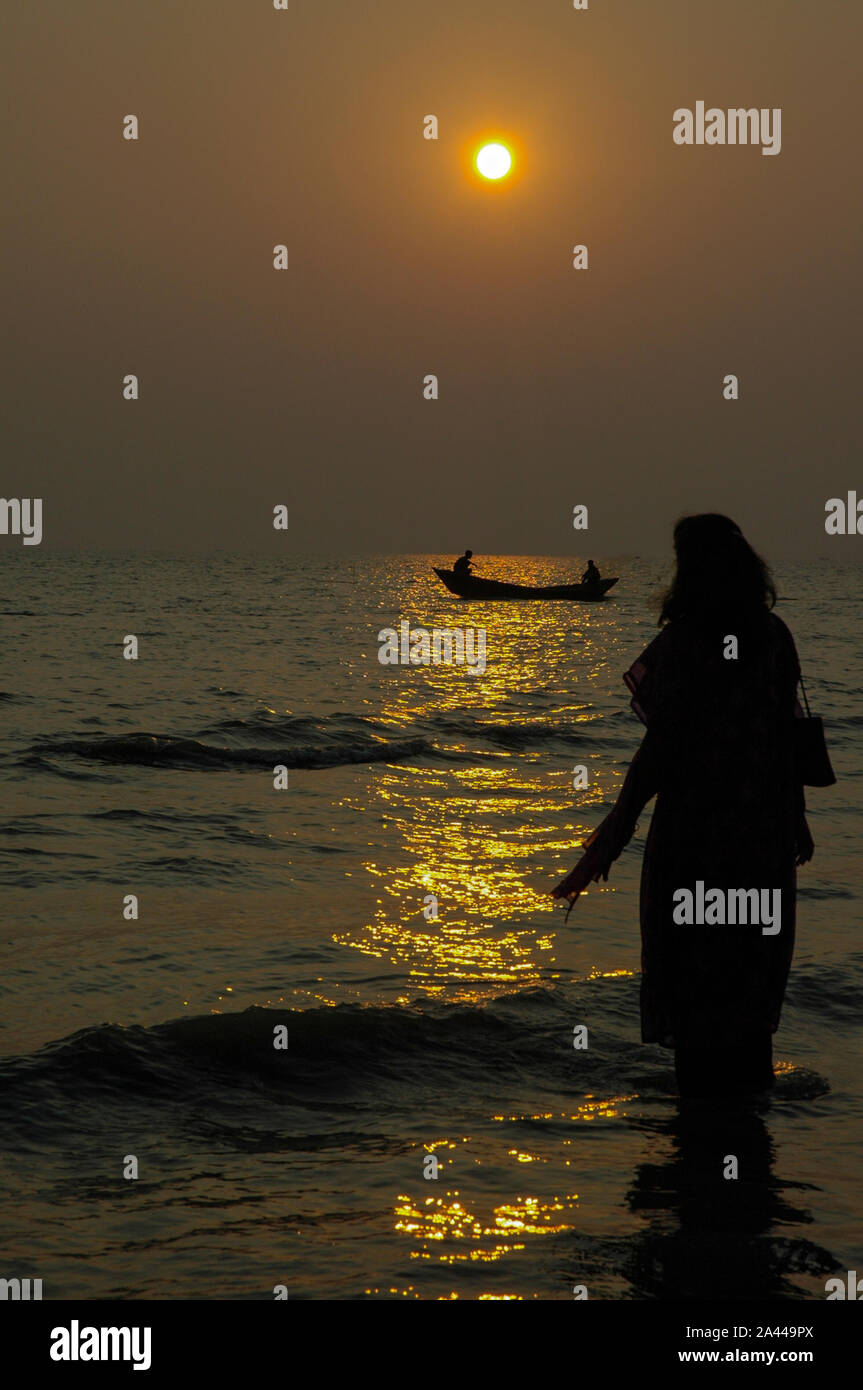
{"points": [[591, 574], [462, 564]]}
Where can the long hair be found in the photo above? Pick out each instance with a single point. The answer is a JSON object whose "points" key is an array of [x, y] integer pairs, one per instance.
{"points": [[717, 573]]}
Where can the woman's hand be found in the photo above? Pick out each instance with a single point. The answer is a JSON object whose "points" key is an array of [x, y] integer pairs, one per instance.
{"points": [[804, 844], [600, 851], [585, 872]]}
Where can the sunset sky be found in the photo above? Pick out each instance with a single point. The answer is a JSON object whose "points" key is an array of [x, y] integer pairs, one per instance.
{"points": [[557, 387]]}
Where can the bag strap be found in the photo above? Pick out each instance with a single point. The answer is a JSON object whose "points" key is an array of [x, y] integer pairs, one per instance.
{"points": [[805, 701]]}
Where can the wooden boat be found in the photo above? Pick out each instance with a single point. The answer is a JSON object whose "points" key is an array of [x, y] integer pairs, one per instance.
{"points": [[472, 586]]}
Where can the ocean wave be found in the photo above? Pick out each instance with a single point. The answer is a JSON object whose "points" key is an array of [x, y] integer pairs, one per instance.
{"points": [[339, 1062], [165, 750], [527, 734], [266, 737], [337, 1059]]}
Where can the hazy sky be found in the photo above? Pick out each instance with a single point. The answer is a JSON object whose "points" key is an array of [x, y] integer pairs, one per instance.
{"points": [[557, 387]]}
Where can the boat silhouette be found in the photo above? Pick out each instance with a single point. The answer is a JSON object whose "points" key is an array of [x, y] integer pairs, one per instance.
{"points": [[472, 586]]}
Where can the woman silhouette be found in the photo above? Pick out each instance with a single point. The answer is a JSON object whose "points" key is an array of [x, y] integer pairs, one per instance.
{"points": [[730, 811]]}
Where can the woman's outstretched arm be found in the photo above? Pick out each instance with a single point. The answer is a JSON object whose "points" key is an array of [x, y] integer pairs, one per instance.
{"points": [[610, 838]]}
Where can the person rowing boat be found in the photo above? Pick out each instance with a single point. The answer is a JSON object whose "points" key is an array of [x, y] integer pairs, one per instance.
{"points": [[462, 564], [591, 574]]}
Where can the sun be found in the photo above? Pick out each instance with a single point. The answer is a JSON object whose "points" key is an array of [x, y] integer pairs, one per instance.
{"points": [[494, 161]]}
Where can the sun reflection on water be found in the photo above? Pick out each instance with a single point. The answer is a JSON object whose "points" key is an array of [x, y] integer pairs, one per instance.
{"points": [[477, 821], [481, 821], [447, 1219]]}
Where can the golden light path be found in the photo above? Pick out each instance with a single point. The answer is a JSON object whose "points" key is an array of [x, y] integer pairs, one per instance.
{"points": [[479, 832], [479, 827], [447, 1230]]}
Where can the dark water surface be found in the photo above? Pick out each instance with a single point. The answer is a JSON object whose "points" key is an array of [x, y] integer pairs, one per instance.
{"points": [[305, 906]]}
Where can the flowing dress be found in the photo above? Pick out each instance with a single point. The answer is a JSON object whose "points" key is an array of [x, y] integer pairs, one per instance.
{"points": [[718, 755]]}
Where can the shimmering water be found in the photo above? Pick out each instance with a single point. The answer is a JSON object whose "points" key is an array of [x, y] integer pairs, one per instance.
{"points": [[408, 1037]]}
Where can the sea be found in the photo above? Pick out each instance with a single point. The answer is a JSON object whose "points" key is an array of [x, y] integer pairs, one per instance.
{"points": [[286, 1005]]}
